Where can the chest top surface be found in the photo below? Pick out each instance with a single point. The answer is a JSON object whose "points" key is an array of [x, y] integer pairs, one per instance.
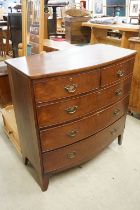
{"points": [[76, 59]]}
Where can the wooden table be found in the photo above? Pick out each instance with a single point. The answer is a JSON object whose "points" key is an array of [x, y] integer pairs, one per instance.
{"points": [[51, 45], [53, 24], [99, 33], [134, 103]]}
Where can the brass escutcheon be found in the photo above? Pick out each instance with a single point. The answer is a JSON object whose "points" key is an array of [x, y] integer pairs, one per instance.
{"points": [[71, 155], [71, 110], [72, 133], [120, 73], [116, 112], [71, 88], [118, 92]]}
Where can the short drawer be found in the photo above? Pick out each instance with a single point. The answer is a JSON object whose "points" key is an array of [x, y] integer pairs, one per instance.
{"points": [[66, 110], [116, 71], [114, 93], [75, 131], [80, 152], [60, 87]]}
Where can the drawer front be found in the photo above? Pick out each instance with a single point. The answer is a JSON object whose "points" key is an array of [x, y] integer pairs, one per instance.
{"points": [[61, 87], [67, 110], [80, 152], [73, 132], [114, 93], [34, 38], [116, 72]]}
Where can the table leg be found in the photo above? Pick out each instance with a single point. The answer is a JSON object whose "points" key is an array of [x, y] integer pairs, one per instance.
{"points": [[125, 36], [98, 35]]}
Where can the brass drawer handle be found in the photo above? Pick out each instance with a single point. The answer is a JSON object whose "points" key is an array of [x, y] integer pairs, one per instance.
{"points": [[116, 112], [71, 88], [71, 155], [72, 133], [113, 132], [120, 73], [71, 110], [118, 92]]}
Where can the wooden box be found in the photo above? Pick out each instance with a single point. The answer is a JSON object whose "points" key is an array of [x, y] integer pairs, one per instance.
{"points": [[10, 126], [74, 32]]}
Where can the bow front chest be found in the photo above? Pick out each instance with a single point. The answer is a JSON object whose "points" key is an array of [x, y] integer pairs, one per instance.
{"points": [[70, 104]]}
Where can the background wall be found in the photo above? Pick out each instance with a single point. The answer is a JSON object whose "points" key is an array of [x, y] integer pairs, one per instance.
{"points": [[6, 3], [109, 11], [121, 11]]}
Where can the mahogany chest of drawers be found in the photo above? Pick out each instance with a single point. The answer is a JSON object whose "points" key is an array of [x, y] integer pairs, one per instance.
{"points": [[70, 104]]}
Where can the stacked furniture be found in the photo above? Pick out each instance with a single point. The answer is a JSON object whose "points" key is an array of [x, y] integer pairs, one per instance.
{"points": [[74, 32], [52, 22], [70, 104]]}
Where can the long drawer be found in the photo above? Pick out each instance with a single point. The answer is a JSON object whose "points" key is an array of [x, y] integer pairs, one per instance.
{"points": [[60, 87], [75, 131], [79, 152], [116, 71], [66, 110]]}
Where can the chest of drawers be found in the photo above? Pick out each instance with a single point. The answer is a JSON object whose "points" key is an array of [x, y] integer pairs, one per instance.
{"points": [[70, 105]]}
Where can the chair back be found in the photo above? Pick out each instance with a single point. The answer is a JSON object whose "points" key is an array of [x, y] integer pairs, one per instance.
{"points": [[15, 28]]}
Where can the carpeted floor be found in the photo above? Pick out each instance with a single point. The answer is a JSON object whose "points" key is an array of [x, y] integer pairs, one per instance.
{"points": [[111, 181]]}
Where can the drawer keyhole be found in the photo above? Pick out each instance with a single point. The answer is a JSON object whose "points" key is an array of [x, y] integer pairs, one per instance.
{"points": [[71, 155], [114, 131], [116, 112], [73, 133]]}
